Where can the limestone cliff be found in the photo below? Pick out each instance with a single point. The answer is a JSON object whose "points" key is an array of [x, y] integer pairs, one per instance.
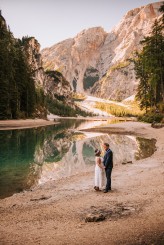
{"points": [[95, 61], [53, 83], [118, 81], [77, 58]]}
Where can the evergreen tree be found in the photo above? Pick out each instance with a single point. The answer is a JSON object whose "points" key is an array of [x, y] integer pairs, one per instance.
{"points": [[17, 87], [149, 68], [5, 72]]}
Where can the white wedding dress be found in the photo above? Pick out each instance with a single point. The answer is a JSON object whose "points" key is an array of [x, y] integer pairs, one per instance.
{"points": [[99, 174]]}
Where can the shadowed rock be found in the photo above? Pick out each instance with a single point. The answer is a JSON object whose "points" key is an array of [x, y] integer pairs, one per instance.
{"points": [[94, 218]]}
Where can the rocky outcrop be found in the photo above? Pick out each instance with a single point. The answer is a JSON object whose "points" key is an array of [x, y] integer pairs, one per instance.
{"points": [[32, 49], [52, 82], [93, 61], [58, 87], [118, 83]]}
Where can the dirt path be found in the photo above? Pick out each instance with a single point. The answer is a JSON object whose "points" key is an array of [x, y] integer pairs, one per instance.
{"points": [[55, 212]]}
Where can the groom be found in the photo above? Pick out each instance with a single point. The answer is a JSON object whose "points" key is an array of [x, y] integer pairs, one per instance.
{"points": [[108, 164]]}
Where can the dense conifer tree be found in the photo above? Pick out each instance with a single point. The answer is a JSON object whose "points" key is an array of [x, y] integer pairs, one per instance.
{"points": [[17, 88], [149, 68]]}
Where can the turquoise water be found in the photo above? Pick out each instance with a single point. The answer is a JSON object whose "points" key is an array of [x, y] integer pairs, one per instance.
{"points": [[34, 156]]}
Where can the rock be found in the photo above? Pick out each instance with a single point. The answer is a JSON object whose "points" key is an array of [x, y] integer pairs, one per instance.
{"points": [[130, 209], [95, 61], [40, 198], [124, 163], [127, 162], [94, 218]]}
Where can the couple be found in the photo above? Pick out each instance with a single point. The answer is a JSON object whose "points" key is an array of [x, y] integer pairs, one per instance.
{"points": [[103, 166]]}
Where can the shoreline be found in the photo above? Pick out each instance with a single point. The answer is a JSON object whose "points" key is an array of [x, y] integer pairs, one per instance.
{"points": [[33, 123], [24, 123], [56, 211]]}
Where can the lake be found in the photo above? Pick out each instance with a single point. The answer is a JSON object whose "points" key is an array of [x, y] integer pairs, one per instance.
{"points": [[29, 157]]}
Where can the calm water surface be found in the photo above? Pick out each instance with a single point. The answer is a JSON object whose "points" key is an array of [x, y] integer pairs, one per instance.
{"points": [[34, 156]]}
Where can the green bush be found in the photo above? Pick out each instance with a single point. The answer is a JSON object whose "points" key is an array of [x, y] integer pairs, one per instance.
{"points": [[151, 117]]}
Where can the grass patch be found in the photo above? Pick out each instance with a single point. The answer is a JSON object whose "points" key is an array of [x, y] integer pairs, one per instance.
{"points": [[120, 65]]}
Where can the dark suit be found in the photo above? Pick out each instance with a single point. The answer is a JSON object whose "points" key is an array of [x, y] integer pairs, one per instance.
{"points": [[108, 163]]}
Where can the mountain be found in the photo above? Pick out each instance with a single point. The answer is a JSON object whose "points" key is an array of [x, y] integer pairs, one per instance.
{"points": [[26, 90], [95, 62], [52, 82]]}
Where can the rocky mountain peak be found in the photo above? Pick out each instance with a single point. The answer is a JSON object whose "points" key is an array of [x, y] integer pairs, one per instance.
{"points": [[74, 56], [92, 37], [95, 61]]}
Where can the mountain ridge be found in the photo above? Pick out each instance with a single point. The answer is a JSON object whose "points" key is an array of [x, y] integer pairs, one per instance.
{"points": [[86, 59]]}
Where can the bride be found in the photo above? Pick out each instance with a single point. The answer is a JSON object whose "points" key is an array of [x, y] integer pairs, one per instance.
{"points": [[99, 171]]}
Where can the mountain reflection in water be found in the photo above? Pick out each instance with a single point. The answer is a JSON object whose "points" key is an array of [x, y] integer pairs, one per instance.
{"points": [[35, 156]]}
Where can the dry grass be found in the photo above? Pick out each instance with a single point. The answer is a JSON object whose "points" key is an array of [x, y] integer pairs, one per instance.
{"points": [[78, 97], [132, 109]]}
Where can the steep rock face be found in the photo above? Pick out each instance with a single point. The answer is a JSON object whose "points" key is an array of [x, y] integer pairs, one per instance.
{"points": [[53, 83], [58, 87], [87, 60], [119, 80], [76, 57], [118, 83], [32, 49]]}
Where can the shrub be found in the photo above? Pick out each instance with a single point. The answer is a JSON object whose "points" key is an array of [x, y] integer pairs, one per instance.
{"points": [[151, 117], [120, 65]]}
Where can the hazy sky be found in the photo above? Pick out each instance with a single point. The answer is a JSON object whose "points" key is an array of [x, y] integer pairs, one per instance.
{"points": [[51, 21]]}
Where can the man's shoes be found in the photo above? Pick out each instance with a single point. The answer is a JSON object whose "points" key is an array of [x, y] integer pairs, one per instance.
{"points": [[105, 191]]}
